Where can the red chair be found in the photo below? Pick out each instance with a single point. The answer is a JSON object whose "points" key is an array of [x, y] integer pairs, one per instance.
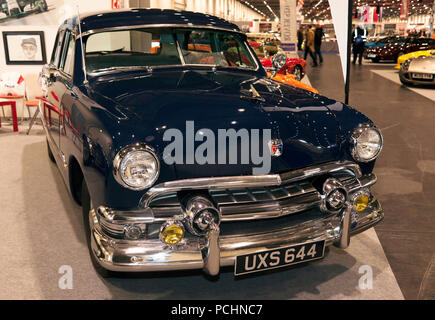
{"points": [[11, 101], [12, 89]]}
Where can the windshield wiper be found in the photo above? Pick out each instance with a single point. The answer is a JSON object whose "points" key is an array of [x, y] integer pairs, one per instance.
{"points": [[148, 68], [104, 52]]}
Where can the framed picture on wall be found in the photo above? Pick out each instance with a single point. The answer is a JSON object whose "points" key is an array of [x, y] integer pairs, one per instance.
{"points": [[24, 47]]}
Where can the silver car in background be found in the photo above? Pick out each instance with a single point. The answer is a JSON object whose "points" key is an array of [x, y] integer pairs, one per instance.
{"points": [[418, 71]]}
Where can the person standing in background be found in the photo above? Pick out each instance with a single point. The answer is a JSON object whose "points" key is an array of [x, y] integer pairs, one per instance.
{"points": [[358, 44], [318, 36], [300, 37], [309, 45]]}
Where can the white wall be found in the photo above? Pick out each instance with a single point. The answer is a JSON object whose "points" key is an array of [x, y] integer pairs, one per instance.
{"points": [[29, 72], [48, 23], [231, 10]]}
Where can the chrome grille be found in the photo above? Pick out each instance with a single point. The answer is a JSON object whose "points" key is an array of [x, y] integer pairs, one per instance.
{"points": [[246, 195], [265, 202], [274, 197]]}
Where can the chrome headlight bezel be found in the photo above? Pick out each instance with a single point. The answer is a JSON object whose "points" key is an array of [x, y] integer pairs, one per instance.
{"points": [[357, 133], [121, 156]]}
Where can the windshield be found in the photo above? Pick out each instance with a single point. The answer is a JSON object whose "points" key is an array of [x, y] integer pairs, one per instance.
{"points": [[149, 47]]}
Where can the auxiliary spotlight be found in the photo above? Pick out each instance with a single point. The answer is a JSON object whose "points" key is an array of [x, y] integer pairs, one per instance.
{"points": [[133, 232], [171, 232], [334, 195], [200, 215], [361, 201]]}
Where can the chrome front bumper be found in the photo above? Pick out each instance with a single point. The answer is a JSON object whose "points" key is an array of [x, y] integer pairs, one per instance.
{"points": [[153, 255], [213, 251]]}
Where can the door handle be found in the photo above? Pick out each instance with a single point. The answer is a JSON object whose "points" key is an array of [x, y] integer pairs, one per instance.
{"points": [[74, 95]]}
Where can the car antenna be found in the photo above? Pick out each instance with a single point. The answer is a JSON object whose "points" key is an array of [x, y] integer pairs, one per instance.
{"points": [[83, 49]]}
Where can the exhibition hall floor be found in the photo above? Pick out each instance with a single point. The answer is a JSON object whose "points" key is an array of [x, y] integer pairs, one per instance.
{"points": [[405, 168], [43, 228]]}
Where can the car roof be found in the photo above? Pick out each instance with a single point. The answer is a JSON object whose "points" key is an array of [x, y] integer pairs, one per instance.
{"points": [[140, 17]]}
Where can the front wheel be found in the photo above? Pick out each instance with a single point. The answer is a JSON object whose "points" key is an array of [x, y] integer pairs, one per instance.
{"points": [[86, 207], [297, 71]]}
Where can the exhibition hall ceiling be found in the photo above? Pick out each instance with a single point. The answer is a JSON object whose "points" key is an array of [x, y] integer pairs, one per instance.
{"points": [[319, 9]]}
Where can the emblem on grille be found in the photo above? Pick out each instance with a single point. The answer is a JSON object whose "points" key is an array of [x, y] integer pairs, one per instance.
{"points": [[275, 147]]}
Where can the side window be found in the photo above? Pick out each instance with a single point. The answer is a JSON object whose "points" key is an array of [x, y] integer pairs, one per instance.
{"points": [[57, 49], [69, 60], [68, 54]]}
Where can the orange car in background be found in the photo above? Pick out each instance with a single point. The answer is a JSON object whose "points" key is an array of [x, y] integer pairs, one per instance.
{"points": [[290, 80]]}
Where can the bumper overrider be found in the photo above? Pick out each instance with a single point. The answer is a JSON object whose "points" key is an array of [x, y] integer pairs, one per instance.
{"points": [[333, 212]]}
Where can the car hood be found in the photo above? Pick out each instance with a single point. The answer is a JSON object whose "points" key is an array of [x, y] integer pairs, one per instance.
{"points": [[415, 54], [149, 104], [423, 64]]}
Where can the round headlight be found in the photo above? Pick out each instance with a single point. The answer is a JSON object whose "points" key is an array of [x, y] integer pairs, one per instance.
{"points": [[366, 143], [279, 60], [136, 167], [405, 65]]}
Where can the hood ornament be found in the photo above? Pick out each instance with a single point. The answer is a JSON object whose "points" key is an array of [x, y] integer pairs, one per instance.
{"points": [[251, 94], [275, 147]]}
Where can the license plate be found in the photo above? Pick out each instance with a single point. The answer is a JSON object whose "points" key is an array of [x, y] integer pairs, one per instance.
{"points": [[371, 55], [422, 76], [271, 259]]}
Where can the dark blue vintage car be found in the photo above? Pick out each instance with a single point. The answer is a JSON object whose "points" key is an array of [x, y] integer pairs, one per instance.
{"points": [[185, 155]]}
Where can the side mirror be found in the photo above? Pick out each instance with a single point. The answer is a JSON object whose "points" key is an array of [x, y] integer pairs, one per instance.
{"points": [[48, 74], [279, 60]]}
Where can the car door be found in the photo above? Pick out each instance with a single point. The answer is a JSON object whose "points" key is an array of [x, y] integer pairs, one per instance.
{"points": [[69, 96], [51, 107], [63, 91]]}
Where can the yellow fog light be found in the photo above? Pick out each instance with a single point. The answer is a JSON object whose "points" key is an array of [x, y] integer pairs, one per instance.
{"points": [[171, 232], [361, 202]]}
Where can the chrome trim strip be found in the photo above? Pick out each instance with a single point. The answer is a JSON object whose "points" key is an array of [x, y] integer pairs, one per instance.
{"points": [[220, 183], [140, 26], [270, 210], [81, 46], [216, 183], [301, 174]]}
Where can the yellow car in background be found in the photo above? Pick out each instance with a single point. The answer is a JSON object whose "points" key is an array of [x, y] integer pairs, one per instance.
{"points": [[414, 54]]}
